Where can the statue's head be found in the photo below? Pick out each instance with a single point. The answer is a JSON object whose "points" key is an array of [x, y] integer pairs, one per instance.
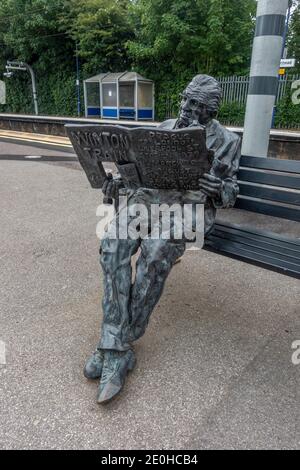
{"points": [[200, 101]]}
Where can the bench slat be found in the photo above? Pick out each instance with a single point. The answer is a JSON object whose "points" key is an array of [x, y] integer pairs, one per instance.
{"points": [[270, 194], [288, 166], [285, 181], [235, 250], [251, 254], [268, 209], [273, 257], [267, 237], [280, 252]]}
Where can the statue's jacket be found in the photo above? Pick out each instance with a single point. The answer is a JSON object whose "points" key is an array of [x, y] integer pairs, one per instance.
{"points": [[226, 146]]}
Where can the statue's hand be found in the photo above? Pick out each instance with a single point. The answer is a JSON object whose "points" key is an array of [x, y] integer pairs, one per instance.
{"points": [[210, 185], [111, 187]]}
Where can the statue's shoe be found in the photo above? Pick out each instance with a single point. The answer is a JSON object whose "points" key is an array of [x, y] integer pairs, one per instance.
{"points": [[115, 368], [94, 365]]}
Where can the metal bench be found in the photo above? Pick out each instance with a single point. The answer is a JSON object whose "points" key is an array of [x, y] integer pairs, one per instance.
{"points": [[271, 187]]}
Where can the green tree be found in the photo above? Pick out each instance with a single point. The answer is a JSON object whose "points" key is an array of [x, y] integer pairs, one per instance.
{"points": [[294, 35], [230, 27], [30, 31], [175, 39], [101, 28], [210, 36]]}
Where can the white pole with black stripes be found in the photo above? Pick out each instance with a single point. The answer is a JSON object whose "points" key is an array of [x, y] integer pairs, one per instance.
{"points": [[266, 56]]}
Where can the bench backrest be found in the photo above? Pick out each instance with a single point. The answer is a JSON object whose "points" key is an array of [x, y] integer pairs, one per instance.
{"points": [[270, 186]]}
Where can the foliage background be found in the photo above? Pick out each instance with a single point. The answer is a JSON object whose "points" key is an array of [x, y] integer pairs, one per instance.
{"points": [[168, 41]]}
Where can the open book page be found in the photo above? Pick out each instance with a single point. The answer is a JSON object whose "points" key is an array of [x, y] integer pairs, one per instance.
{"points": [[146, 157]]}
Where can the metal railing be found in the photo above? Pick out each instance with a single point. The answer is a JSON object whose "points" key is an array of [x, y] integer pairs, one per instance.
{"points": [[235, 90]]}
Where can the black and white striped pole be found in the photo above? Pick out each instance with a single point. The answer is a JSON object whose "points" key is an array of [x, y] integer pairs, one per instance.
{"points": [[266, 56]]}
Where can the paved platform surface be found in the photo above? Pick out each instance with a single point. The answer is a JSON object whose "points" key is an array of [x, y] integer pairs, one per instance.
{"points": [[214, 368]]}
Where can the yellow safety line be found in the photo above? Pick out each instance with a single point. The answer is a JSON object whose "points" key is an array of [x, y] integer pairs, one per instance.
{"points": [[39, 139]]}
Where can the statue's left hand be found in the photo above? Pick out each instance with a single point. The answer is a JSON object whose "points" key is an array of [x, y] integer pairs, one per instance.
{"points": [[111, 186], [210, 185]]}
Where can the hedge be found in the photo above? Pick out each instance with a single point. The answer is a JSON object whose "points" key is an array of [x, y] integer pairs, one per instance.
{"points": [[58, 96]]}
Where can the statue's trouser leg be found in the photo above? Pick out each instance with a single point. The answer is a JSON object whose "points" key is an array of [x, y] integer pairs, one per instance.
{"points": [[153, 266], [116, 264]]}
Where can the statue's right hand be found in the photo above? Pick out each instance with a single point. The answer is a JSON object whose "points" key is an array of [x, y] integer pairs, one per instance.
{"points": [[110, 187]]}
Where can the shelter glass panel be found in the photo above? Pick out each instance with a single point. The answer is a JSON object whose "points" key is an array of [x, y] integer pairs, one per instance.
{"points": [[109, 95], [93, 94], [145, 95], [127, 95]]}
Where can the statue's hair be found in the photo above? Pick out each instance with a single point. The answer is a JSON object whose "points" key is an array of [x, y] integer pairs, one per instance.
{"points": [[207, 90]]}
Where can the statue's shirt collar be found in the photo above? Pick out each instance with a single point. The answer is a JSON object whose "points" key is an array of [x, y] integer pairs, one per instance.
{"points": [[211, 128]]}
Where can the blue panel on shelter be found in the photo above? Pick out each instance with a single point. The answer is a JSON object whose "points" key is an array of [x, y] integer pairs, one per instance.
{"points": [[145, 113], [127, 113], [93, 111], [109, 112]]}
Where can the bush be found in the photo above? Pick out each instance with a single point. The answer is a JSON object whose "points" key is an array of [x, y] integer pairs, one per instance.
{"points": [[287, 114], [232, 114], [57, 94]]}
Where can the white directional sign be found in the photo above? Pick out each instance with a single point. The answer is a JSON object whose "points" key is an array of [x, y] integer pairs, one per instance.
{"points": [[287, 63], [2, 92]]}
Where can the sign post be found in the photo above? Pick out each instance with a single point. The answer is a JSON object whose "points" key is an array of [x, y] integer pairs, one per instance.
{"points": [[287, 63]]}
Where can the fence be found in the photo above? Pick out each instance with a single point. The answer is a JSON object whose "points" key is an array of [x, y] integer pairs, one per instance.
{"points": [[235, 92], [235, 89]]}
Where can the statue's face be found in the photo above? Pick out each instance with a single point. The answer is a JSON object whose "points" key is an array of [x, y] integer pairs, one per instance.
{"points": [[191, 110]]}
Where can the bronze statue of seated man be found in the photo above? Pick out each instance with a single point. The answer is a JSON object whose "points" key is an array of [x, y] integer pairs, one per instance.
{"points": [[127, 304]]}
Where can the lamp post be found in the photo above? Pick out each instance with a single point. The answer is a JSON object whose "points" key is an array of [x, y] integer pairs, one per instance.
{"points": [[286, 30], [78, 82], [22, 66]]}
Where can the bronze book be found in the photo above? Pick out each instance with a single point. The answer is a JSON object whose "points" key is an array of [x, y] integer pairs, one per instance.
{"points": [[146, 157]]}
